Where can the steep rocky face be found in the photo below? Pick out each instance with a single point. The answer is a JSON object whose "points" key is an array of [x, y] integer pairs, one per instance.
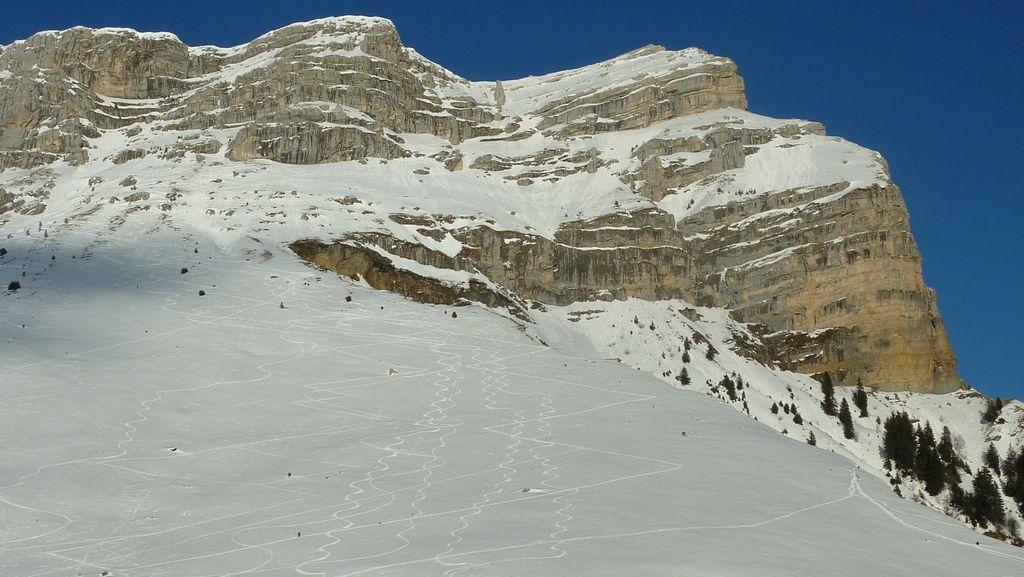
{"points": [[339, 73], [842, 293], [640, 177]]}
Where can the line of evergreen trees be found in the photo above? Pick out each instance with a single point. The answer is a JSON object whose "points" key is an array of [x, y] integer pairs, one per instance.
{"points": [[915, 453], [828, 404], [1013, 475]]}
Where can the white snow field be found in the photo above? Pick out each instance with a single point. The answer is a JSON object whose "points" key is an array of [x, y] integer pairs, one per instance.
{"points": [[271, 427], [149, 431]]}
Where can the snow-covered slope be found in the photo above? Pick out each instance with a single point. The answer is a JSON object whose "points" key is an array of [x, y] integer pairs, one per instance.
{"points": [[652, 337], [153, 430]]}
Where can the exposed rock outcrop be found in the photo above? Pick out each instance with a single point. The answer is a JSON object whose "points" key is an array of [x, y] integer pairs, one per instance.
{"points": [[311, 143], [801, 235]]}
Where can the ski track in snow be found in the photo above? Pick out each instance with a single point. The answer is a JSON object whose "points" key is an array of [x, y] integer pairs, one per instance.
{"points": [[404, 482]]}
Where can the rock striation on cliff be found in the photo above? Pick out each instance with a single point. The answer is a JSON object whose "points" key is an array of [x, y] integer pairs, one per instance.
{"points": [[644, 176]]}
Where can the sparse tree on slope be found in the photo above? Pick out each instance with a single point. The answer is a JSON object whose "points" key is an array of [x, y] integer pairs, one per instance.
{"points": [[985, 504], [860, 399], [828, 389], [992, 411], [991, 458], [846, 419], [1013, 469], [710, 355], [730, 387], [899, 441], [928, 466], [945, 448]]}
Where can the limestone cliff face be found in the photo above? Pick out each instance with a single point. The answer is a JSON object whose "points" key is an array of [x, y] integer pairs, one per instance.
{"points": [[643, 176], [842, 293]]}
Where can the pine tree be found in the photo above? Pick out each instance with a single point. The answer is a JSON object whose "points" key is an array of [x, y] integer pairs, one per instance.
{"points": [[730, 387], [992, 411], [683, 377], [899, 441], [710, 355], [951, 462], [686, 356], [924, 442], [935, 475], [829, 403], [811, 440], [991, 458], [928, 435], [928, 466], [957, 499], [945, 448], [860, 399], [846, 419], [796, 417], [985, 504], [1013, 469], [775, 408]]}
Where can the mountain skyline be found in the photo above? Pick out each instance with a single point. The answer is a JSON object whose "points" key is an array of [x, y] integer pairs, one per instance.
{"points": [[950, 143], [316, 304]]}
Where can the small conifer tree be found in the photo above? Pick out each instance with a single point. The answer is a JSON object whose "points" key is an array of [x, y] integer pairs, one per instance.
{"points": [[1013, 470], [729, 386], [945, 447], [846, 419], [984, 504], [898, 441], [992, 411], [860, 399], [991, 458], [927, 464], [828, 404]]}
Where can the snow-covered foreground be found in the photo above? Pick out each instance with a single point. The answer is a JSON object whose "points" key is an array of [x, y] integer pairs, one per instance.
{"points": [[149, 431]]}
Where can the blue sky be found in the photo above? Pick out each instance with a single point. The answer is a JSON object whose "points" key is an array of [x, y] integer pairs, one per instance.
{"points": [[936, 87]]}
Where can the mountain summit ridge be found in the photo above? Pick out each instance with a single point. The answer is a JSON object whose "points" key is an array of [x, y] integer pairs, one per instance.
{"points": [[650, 157], [571, 245]]}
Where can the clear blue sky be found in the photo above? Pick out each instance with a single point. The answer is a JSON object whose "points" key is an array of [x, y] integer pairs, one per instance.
{"points": [[934, 86]]}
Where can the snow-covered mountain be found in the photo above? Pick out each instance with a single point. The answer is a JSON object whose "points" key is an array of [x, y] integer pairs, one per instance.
{"points": [[186, 395]]}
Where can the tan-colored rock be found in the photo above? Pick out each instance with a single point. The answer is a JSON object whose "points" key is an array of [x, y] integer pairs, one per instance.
{"points": [[849, 280], [311, 143], [826, 271], [683, 92]]}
